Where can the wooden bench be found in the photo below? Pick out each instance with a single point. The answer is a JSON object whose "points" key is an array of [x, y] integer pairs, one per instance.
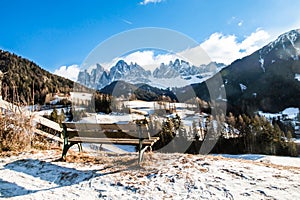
{"points": [[125, 134]]}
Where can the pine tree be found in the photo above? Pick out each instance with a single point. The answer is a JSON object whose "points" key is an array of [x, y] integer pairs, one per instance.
{"points": [[231, 122], [166, 134], [289, 135], [62, 116], [54, 115]]}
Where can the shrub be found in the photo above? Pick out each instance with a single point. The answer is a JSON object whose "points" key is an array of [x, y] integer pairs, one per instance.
{"points": [[16, 132]]}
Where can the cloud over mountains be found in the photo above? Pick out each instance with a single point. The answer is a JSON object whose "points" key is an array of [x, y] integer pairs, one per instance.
{"points": [[218, 47]]}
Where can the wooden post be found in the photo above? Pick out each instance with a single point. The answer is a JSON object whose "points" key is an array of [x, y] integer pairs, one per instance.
{"points": [[32, 96], [1, 76], [140, 143]]}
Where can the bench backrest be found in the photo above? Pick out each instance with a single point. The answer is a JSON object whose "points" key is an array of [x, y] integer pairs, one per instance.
{"points": [[126, 130]]}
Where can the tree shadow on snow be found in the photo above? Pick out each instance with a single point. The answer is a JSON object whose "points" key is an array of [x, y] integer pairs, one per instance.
{"points": [[8, 189]]}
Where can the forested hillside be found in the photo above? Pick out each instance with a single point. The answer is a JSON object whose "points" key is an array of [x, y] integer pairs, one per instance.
{"points": [[24, 80]]}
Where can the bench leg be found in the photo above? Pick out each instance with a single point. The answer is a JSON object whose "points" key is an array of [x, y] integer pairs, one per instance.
{"points": [[79, 147], [141, 151], [141, 154], [66, 147]]}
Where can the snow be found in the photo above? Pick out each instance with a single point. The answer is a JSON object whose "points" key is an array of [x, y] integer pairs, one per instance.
{"points": [[292, 37], [261, 61], [108, 147], [37, 175], [243, 156], [297, 141], [278, 160], [297, 77], [179, 81], [150, 107], [283, 46], [289, 113], [117, 118], [91, 68], [243, 87], [49, 111], [81, 96], [289, 37]]}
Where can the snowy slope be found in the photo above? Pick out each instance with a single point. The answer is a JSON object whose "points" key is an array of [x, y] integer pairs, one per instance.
{"points": [[162, 176], [285, 47]]}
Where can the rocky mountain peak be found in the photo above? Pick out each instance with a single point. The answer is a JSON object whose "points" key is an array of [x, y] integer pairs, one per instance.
{"points": [[286, 46], [134, 73], [266, 80]]}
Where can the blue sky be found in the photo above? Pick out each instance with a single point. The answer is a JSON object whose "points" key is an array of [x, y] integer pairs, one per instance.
{"points": [[56, 33]]}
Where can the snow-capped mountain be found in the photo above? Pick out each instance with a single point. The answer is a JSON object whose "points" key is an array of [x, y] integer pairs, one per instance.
{"points": [[173, 70], [181, 73], [130, 73], [267, 80], [94, 77], [97, 77], [184, 69], [285, 47]]}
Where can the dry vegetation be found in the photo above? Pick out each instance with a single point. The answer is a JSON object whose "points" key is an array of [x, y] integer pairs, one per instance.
{"points": [[129, 161], [16, 132]]}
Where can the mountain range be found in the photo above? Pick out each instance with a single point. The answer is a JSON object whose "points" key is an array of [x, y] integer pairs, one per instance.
{"points": [[178, 73]]}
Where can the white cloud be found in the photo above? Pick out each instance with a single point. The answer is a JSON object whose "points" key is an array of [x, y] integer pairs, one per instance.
{"points": [[226, 48], [241, 23], [235, 21], [147, 59], [70, 72], [219, 47], [195, 56], [145, 2], [255, 41]]}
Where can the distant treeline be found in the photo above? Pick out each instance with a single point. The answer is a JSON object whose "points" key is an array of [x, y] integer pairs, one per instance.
{"points": [[232, 135]]}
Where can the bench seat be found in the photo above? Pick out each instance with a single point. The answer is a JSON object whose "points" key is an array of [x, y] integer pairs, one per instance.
{"points": [[125, 134], [114, 140]]}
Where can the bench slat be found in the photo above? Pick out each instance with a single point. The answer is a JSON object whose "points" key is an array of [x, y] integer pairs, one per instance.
{"points": [[102, 134], [129, 130], [113, 140], [91, 126]]}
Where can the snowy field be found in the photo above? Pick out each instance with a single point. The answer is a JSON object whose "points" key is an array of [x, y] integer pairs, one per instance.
{"points": [[289, 113], [37, 175]]}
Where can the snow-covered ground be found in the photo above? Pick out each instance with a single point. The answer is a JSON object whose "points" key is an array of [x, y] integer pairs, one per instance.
{"points": [[180, 81], [184, 110], [289, 113], [36, 175]]}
